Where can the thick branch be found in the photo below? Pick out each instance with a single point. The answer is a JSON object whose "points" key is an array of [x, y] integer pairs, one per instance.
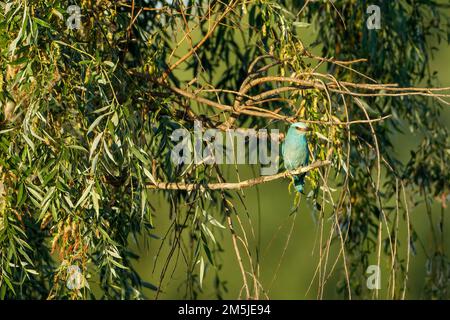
{"points": [[235, 185]]}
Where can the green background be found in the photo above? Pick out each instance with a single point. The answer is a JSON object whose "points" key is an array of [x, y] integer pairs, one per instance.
{"points": [[269, 206]]}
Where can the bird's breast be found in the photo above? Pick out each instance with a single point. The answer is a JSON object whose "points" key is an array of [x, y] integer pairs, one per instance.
{"points": [[295, 152]]}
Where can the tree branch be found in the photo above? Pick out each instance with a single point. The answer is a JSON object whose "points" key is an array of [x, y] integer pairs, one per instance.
{"points": [[235, 185], [229, 8]]}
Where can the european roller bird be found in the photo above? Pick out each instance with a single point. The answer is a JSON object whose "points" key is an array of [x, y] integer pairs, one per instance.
{"points": [[295, 152]]}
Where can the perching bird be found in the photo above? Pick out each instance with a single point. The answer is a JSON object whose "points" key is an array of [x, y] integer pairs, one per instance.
{"points": [[295, 152]]}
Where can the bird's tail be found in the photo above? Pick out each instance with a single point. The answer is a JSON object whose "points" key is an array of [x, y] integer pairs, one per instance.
{"points": [[299, 182]]}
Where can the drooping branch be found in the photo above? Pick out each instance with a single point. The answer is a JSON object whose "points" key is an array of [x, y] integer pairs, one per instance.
{"points": [[235, 185], [294, 84], [211, 30]]}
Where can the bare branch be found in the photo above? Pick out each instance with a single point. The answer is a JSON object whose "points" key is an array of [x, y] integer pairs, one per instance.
{"points": [[236, 185]]}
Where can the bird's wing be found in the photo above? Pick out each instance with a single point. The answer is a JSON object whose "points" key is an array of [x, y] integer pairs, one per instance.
{"points": [[306, 156]]}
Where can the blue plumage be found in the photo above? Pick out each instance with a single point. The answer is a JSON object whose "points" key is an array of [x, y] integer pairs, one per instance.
{"points": [[295, 152]]}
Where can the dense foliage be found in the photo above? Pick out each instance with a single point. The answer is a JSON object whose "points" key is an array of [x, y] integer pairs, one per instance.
{"points": [[87, 115]]}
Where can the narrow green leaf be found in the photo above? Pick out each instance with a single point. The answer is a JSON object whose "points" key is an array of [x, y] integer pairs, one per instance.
{"points": [[202, 271], [95, 144], [84, 195]]}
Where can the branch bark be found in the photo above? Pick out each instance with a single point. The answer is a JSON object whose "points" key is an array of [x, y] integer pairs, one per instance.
{"points": [[235, 185]]}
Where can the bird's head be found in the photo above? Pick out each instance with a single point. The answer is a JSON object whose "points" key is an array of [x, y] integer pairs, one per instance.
{"points": [[301, 127]]}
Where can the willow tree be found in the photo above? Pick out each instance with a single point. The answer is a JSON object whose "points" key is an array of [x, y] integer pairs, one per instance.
{"points": [[90, 97]]}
